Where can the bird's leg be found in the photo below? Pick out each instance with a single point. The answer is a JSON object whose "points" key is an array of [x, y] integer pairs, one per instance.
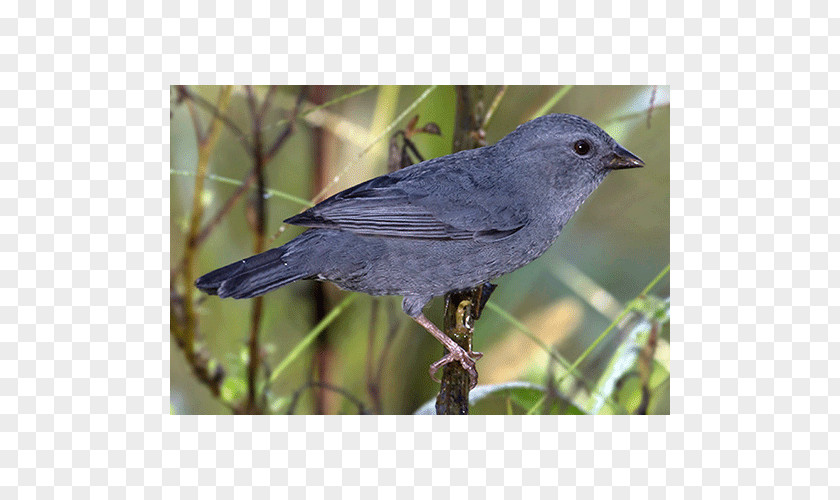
{"points": [[456, 352]]}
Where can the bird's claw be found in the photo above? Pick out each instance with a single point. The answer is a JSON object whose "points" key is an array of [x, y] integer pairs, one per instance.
{"points": [[465, 358]]}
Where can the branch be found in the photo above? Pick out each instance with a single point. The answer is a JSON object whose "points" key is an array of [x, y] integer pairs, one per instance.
{"points": [[244, 185], [462, 310], [259, 246], [218, 114], [463, 307], [206, 145]]}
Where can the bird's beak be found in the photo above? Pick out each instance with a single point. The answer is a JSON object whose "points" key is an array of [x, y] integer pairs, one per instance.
{"points": [[624, 159]]}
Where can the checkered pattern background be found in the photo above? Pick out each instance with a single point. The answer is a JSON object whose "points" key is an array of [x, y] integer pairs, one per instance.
{"points": [[84, 112]]}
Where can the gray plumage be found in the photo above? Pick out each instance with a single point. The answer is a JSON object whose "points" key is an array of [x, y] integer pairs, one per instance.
{"points": [[445, 224]]}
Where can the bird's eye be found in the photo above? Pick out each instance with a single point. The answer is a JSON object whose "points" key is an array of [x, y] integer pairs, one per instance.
{"points": [[582, 147]]}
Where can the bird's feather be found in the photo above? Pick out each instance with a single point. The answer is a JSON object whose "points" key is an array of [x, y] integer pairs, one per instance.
{"points": [[423, 202]]}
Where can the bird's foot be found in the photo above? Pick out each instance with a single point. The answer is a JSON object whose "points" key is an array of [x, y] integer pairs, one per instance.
{"points": [[465, 358]]}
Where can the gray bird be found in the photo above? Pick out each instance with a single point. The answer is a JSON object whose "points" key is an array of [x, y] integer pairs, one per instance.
{"points": [[446, 224]]}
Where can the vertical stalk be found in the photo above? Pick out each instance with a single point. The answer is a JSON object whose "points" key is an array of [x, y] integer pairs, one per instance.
{"points": [[259, 224], [322, 359], [206, 145], [463, 307]]}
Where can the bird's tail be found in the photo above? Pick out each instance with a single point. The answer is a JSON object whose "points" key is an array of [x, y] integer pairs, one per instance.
{"points": [[256, 275]]}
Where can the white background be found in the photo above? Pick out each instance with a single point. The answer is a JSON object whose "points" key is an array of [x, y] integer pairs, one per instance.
{"points": [[84, 114]]}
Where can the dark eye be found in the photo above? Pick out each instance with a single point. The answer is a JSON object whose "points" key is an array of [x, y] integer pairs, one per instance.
{"points": [[582, 147]]}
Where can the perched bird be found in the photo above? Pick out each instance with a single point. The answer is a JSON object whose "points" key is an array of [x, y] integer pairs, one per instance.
{"points": [[446, 224]]}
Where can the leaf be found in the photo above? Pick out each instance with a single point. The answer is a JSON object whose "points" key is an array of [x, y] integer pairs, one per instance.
{"points": [[280, 403], [233, 389], [431, 128], [496, 398]]}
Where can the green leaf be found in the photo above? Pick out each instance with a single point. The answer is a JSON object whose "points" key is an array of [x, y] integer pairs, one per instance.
{"points": [[280, 403], [507, 398], [233, 389]]}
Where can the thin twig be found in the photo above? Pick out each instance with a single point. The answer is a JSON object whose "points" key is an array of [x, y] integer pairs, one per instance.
{"points": [[199, 134], [237, 182], [226, 207], [320, 359], [637, 114], [208, 372], [314, 109], [372, 388], [259, 247], [650, 106], [266, 101], [284, 135], [259, 226], [205, 149], [491, 111], [370, 146], [243, 187], [218, 115], [358, 157]]}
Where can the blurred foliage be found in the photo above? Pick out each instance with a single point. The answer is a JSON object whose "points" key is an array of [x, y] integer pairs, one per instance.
{"points": [[369, 356]]}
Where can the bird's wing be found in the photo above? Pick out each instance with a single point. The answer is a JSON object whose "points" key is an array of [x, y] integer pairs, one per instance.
{"points": [[424, 202]]}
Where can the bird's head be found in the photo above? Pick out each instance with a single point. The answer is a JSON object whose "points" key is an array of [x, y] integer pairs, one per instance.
{"points": [[575, 146]]}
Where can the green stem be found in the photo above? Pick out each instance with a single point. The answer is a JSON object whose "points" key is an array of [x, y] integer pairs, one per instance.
{"points": [[615, 322], [238, 182], [551, 102], [310, 337]]}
